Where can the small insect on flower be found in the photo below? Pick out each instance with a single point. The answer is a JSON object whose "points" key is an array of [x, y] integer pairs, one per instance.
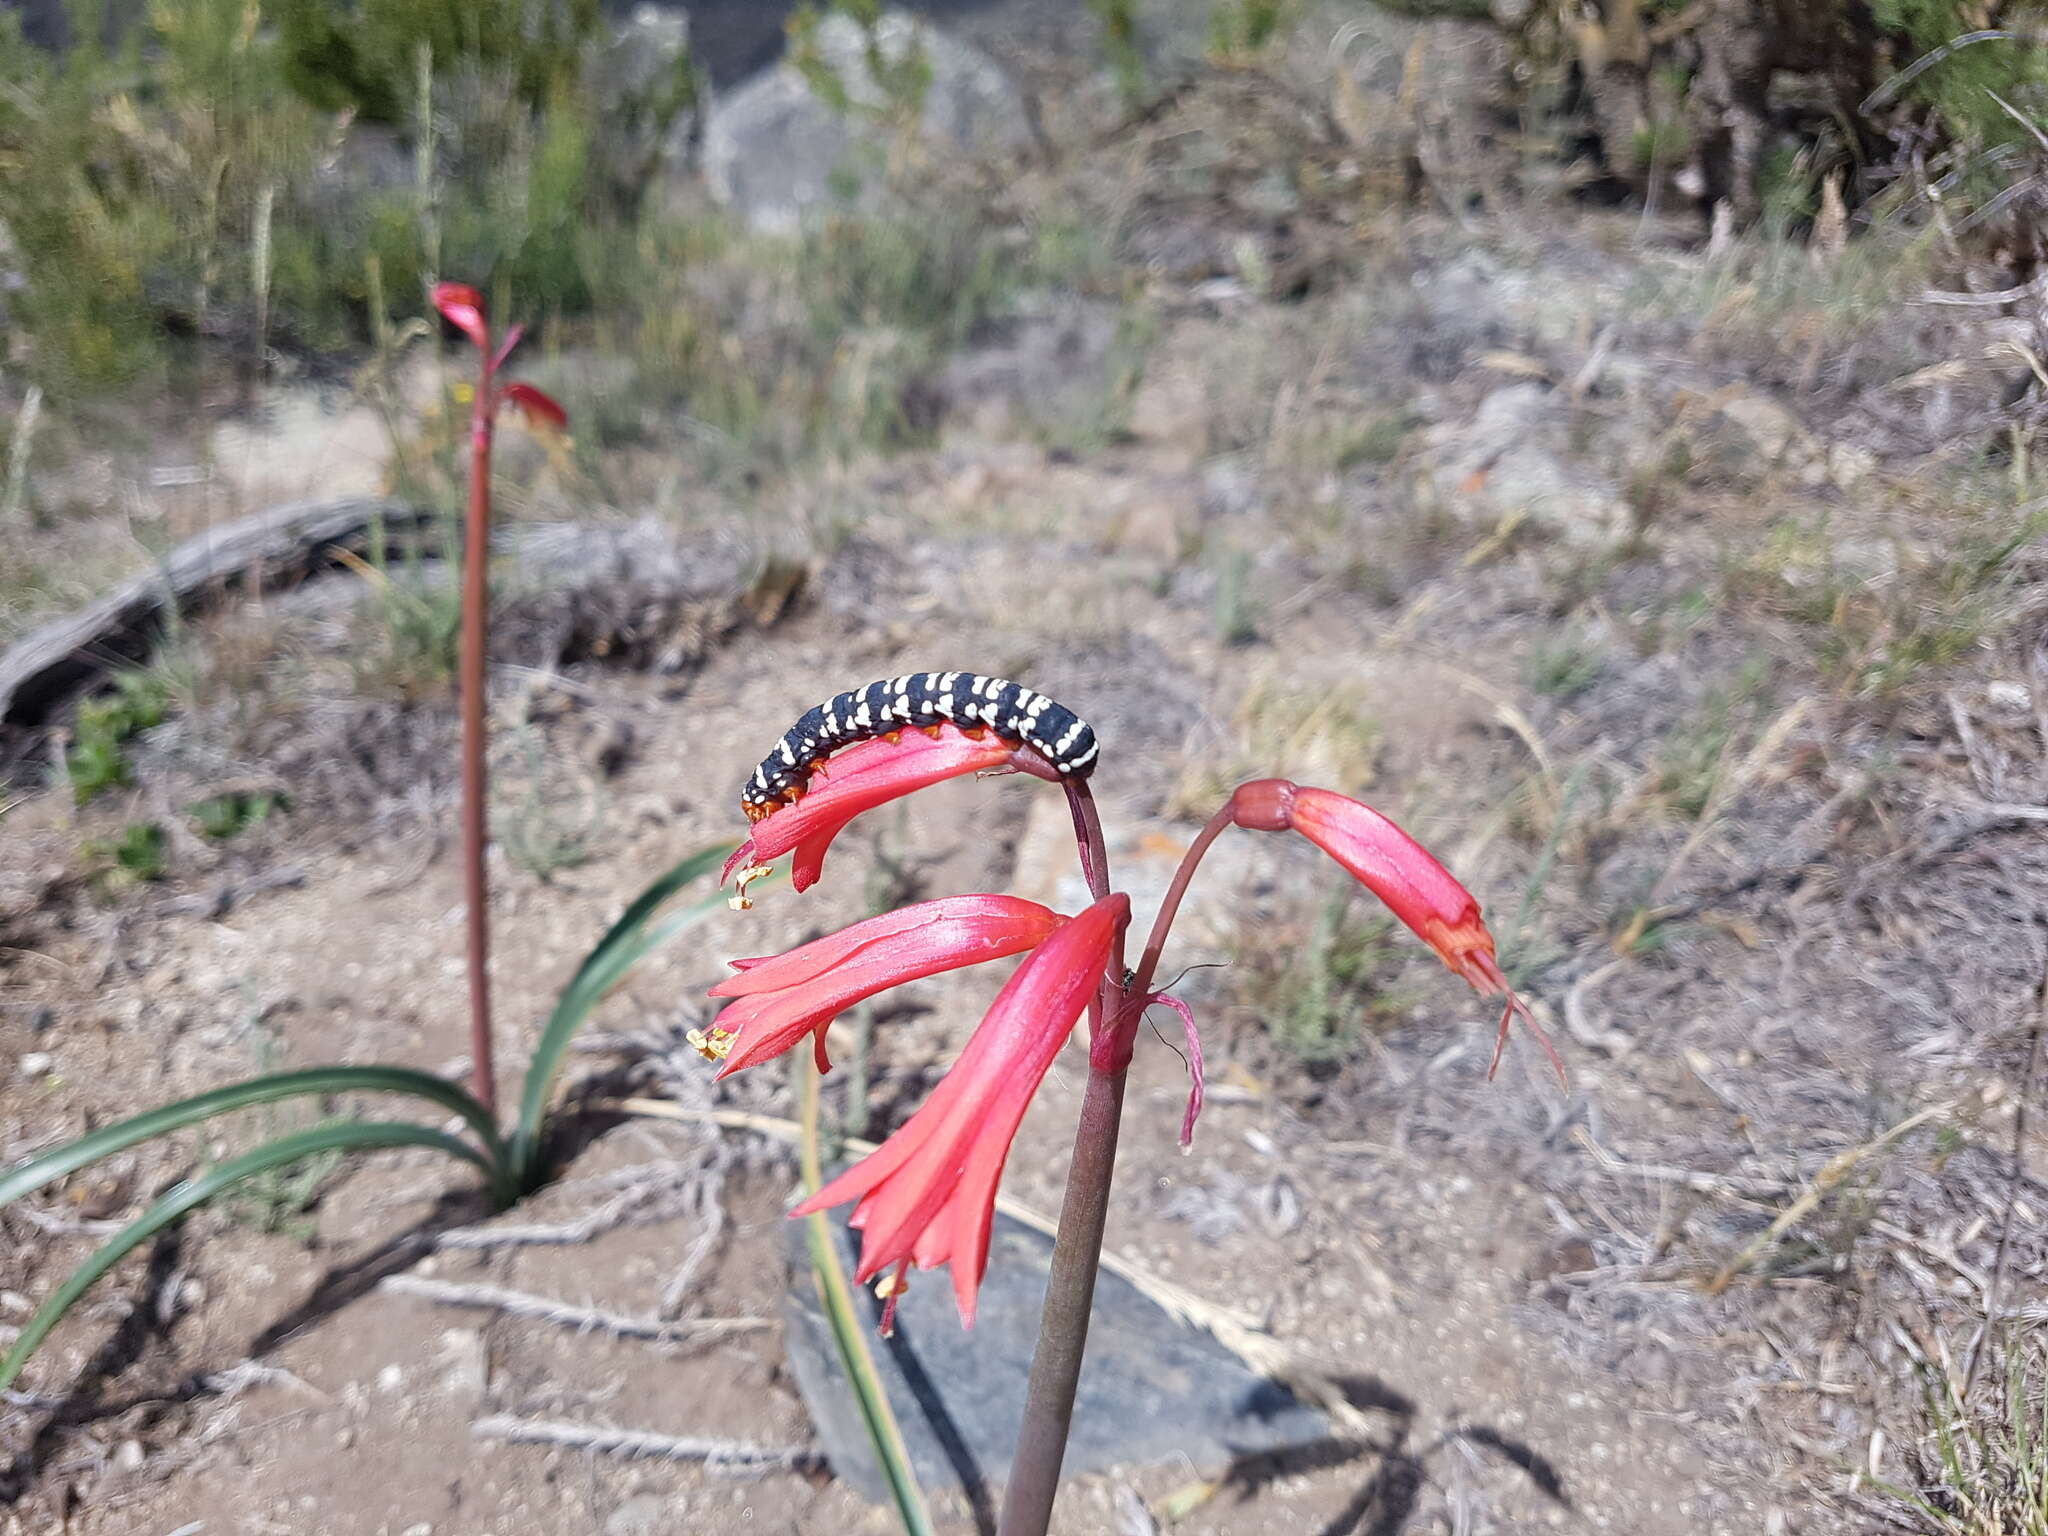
{"points": [[890, 739], [1012, 712]]}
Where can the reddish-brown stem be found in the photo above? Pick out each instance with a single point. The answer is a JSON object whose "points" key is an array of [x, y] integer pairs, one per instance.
{"points": [[1169, 907], [1084, 1211], [1069, 1296], [475, 602]]}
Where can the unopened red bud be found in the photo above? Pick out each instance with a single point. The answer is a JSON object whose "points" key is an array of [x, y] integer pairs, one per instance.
{"points": [[1264, 805]]}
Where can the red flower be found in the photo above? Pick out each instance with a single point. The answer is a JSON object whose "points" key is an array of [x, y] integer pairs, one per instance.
{"points": [[536, 406], [463, 307], [788, 996], [927, 1195], [865, 775], [1402, 873]]}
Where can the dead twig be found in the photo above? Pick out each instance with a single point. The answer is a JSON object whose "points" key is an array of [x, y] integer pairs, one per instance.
{"points": [[565, 1314], [730, 1458], [1739, 1186], [1832, 1173]]}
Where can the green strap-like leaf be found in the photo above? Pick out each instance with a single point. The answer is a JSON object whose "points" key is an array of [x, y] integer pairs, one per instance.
{"points": [[26, 1178], [350, 1136], [631, 937], [849, 1334]]}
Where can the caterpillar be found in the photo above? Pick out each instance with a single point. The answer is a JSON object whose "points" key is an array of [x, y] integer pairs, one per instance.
{"points": [[966, 699]]}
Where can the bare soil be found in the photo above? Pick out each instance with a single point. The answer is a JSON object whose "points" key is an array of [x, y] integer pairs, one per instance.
{"points": [[1517, 1282]]}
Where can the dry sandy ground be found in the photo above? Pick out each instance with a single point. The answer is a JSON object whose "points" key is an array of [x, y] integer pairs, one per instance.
{"points": [[1512, 1277]]}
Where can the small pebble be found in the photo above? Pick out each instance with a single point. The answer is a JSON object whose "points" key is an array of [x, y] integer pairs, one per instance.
{"points": [[390, 1379], [37, 1064], [128, 1456]]}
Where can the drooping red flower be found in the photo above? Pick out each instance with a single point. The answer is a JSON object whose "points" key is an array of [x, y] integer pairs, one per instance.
{"points": [[463, 307], [866, 775], [926, 1196], [1403, 874], [536, 406], [785, 997]]}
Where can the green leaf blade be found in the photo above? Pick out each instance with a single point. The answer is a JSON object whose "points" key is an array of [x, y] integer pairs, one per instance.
{"points": [[27, 1177], [625, 943], [354, 1136]]}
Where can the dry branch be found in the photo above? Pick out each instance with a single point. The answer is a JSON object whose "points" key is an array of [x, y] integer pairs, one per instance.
{"points": [[569, 1315], [275, 548], [734, 1458], [1832, 1173]]}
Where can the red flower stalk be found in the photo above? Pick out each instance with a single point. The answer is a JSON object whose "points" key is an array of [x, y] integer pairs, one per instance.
{"points": [[860, 778], [787, 996], [1403, 874], [927, 1195], [463, 308]]}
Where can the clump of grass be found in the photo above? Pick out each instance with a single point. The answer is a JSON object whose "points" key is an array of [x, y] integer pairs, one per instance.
{"points": [[552, 822], [138, 854], [277, 1201], [1979, 1467], [1313, 730], [1240, 31], [1694, 755], [1235, 609], [1566, 664], [229, 814], [1874, 638], [408, 620], [1316, 1007], [95, 760]]}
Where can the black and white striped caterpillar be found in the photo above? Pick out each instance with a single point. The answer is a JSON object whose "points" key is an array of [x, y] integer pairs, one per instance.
{"points": [[966, 699]]}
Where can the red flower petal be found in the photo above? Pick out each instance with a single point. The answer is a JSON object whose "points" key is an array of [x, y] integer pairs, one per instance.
{"points": [[865, 775], [463, 307], [927, 1194], [538, 409], [1402, 873], [784, 998]]}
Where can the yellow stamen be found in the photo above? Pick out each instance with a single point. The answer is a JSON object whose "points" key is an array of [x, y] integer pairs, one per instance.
{"points": [[894, 1283], [713, 1044], [738, 900]]}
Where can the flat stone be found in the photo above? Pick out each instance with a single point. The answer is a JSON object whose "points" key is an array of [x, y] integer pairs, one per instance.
{"points": [[1153, 1390]]}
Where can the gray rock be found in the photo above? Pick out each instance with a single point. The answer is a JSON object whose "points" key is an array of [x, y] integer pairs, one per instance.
{"points": [[1514, 457], [774, 149], [652, 92], [1153, 1391]]}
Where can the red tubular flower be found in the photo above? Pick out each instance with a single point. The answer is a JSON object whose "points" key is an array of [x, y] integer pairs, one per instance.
{"points": [[463, 307], [1403, 874], [927, 1195], [537, 406], [788, 996], [866, 775]]}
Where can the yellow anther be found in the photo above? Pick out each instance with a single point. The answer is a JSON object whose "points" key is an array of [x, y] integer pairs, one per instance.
{"points": [[713, 1044], [739, 901], [894, 1283]]}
